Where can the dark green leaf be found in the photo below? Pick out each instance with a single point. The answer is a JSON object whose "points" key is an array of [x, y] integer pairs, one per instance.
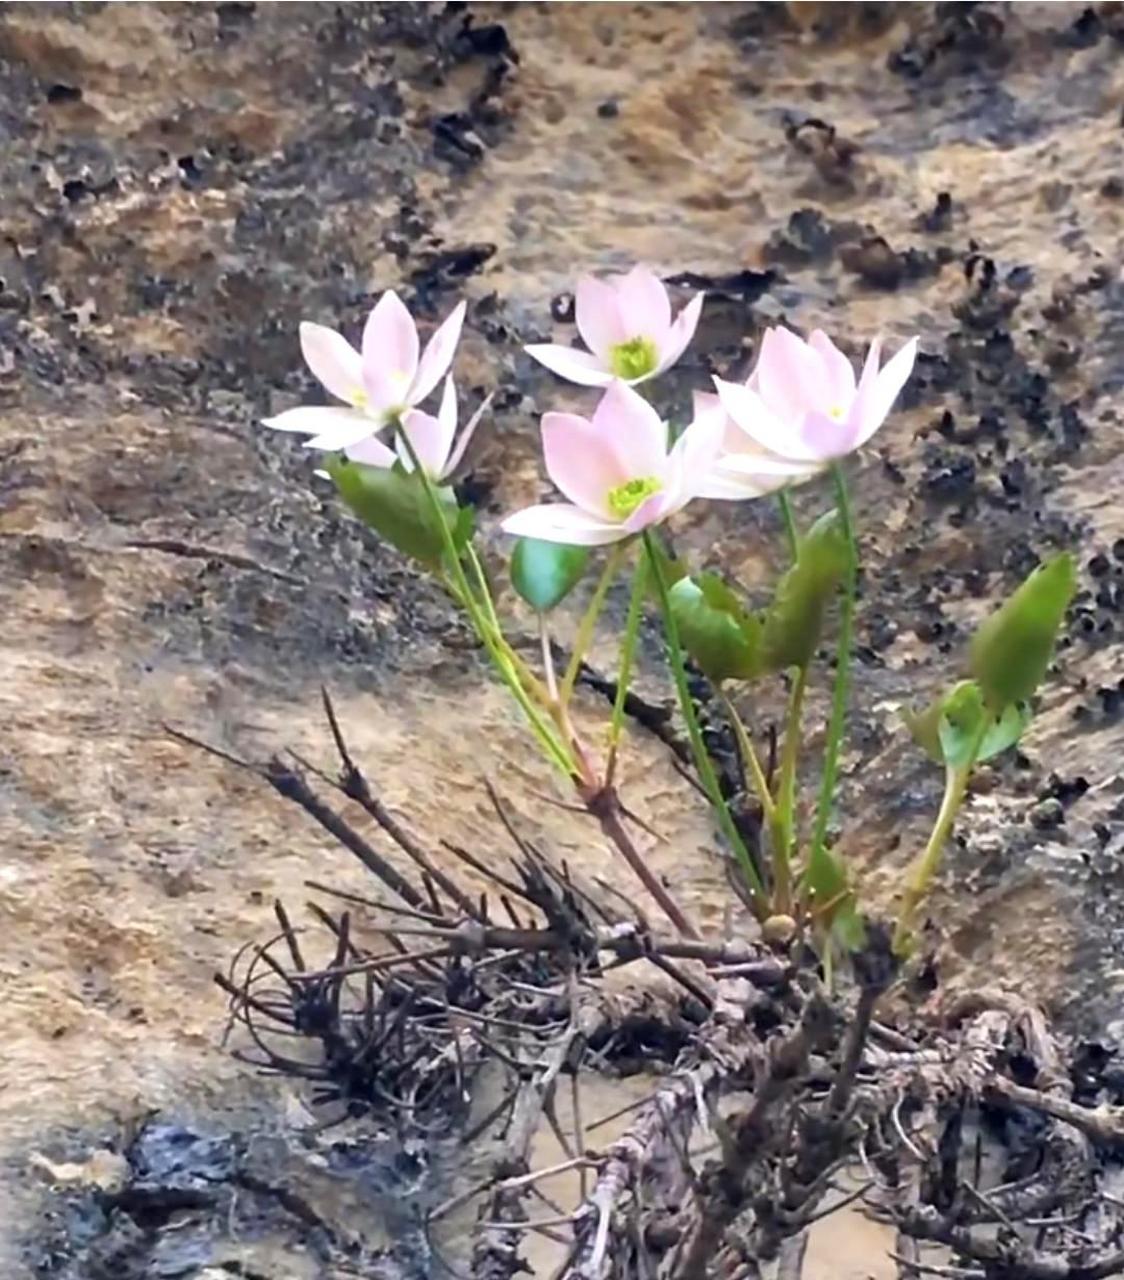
{"points": [[794, 621], [394, 503], [715, 628], [1012, 649], [544, 573]]}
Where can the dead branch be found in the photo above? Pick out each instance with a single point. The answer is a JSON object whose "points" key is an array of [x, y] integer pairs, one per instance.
{"points": [[1006, 1257], [725, 1055], [754, 1135], [401, 1031], [497, 1254], [353, 783], [604, 804], [1104, 1125], [287, 782]]}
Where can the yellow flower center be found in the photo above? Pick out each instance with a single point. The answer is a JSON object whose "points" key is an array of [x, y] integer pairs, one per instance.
{"points": [[625, 498], [635, 358], [359, 398]]}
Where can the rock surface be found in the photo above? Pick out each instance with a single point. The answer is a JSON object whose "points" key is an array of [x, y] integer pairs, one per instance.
{"points": [[183, 184]]}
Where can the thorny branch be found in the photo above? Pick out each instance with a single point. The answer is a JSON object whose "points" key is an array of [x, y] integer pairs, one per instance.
{"points": [[408, 994]]}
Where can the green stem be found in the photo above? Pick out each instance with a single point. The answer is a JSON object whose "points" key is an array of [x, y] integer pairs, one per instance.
{"points": [[784, 833], [585, 628], [925, 868], [702, 757], [842, 666], [628, 652], [530, 681], [555, 750], [956, 780], [482, 582], [791, 534], [749, 755]]}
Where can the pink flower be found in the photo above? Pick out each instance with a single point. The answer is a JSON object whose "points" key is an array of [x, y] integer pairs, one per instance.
{"points": [[626, 323], [743, 468], [434, 440], [802, 403], [617, 471], [379, 385]]}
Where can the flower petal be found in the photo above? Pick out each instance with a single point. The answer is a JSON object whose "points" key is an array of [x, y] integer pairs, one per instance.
{"points": [[632, 432], [372, 453], [790, 376], [768, 464], [427, 436], [756, 419], [694, 455], [581, 461], [598, 315], [432, 438], [752, 473], [652, 510], [877, 399], [726, 485], [559, 522], [573, 365], [390, 352], [438, 354], [466, 435], [342, 433], [644, 305], [840, 375], [334, 362], [315, 419], [681, 332], [734, 439], [704, 402], [390, 336], [827, 437], [721, 487]]}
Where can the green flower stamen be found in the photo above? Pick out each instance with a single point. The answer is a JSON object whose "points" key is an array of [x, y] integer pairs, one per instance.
{"points": [[635, 358], [625, 498]]}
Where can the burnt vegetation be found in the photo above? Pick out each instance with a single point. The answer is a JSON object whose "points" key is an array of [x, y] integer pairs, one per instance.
{"points": [[779, 1097]]}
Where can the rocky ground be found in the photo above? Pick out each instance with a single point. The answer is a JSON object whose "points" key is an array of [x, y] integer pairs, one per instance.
{"points": [[184, 183]]}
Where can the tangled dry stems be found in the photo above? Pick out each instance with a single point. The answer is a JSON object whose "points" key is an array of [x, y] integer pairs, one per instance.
{"points": [[514, 979]]}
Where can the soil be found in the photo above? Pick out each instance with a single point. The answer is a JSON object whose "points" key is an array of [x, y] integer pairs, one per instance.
{"points": [[185, 183]]}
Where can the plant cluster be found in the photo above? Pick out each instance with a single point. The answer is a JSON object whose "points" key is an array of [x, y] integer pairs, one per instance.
{"points": [[624, 473]]}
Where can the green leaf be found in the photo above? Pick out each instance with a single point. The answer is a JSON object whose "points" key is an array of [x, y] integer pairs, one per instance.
{"points": [[794, 621], [544, 573], [672, 568], [832, 899], [464, 526], [394, 503], [925, 726], [1011, 651], [961, 725], [715, 628], [1005, 730], [848, 927], [950, 724]]}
